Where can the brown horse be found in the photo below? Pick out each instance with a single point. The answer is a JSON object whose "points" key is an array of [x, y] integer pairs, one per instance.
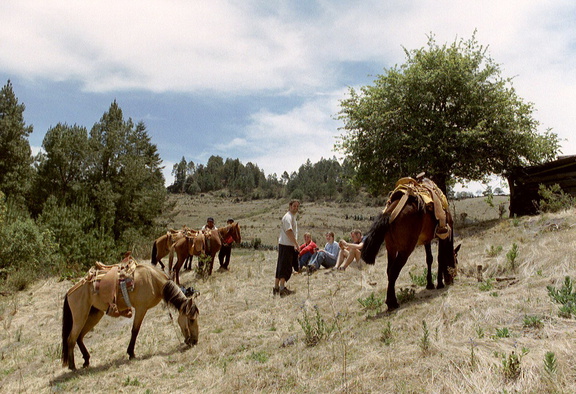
{"points": [[203, 244], [83, 309], [185, 248], [415, 224], [162, 245]]}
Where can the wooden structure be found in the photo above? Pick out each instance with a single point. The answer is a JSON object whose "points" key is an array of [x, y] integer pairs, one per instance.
{"points": [[525, 181]]}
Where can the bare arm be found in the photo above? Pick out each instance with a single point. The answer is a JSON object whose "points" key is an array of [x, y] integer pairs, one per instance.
{"points": [[292, 238]]}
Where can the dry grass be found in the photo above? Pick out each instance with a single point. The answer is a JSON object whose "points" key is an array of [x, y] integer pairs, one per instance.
{"points": [[253, 342]]}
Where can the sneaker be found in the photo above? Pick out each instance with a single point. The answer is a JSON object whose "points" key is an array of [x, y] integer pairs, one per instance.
{"points": [[275, 291], [311, 269], [285, 292]]}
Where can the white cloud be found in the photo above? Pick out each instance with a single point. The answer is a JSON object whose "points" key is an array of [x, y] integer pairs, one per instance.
{"points": [[284, 141], [244, 48]]}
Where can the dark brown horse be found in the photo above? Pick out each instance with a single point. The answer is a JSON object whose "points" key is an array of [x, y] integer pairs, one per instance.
{"points": [[415, 224], [205, 245], [83, 309]]}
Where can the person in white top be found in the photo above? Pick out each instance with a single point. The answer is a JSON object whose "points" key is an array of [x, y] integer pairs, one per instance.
{"points": [[288, 250]]}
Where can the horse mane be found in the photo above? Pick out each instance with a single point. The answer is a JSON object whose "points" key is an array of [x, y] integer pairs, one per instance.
{"points": [[375, 237], [172, 294]]}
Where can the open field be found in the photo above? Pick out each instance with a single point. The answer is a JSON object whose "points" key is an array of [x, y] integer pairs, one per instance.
{"points": [[449, 340]]}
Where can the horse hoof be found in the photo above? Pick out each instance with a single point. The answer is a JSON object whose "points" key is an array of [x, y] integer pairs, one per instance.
{"points": [[430, 287], [440, 286], [393, 306]]}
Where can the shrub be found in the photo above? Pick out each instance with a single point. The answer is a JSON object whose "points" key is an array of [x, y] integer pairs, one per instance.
{"points": [[512, 255], [553, 199], [565, 297], [27, 250], [80, 240], [371, 303], [420, 280], [405, 295], [533, 322], [315, 328], [494, 251]]}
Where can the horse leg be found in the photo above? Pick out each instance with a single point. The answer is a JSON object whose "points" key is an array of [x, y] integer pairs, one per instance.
{"points": [[80, 319], [395, 263], [93, 319], [176, 272], [442, 267], [429, 261], [138, 317], [210, 265]]}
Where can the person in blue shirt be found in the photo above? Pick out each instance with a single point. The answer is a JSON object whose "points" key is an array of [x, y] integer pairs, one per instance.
{"points": [[325, 257]]}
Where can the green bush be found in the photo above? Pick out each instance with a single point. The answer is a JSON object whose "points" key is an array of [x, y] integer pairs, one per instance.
{"points": [[80, 240], [553, 199], [27, 251], [565, 296]]}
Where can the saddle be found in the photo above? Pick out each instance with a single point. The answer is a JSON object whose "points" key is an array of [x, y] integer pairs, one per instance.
{"points": [[111, 281], [428, 194]]}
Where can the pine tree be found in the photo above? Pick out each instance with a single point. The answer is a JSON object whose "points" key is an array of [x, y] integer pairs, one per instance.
{"points": [[15, 154]]}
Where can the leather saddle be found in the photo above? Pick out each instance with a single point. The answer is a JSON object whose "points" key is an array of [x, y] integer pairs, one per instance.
{"points": [[111, 283], [428, 194]]}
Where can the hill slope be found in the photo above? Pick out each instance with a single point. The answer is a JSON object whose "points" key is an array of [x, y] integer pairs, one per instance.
{"points": [[450, 340]]}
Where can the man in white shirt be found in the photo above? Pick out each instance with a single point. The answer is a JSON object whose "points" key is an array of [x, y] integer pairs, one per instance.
{"points": [[288, 250]]}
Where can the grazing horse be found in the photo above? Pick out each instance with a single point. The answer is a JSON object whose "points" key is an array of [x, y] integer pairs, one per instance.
{"points": [[206, 243], [83, 309], [406, 222]]}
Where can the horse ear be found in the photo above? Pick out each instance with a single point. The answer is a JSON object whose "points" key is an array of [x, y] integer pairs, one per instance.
{"points": [[457, 249], [190, 308]]}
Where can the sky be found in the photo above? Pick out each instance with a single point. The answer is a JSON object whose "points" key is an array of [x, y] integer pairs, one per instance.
{"points": [[262, 81]]}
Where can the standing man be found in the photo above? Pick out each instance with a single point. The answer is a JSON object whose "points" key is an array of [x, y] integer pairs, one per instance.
{"points": [[225, 250], [209, 225], [288, 250]]}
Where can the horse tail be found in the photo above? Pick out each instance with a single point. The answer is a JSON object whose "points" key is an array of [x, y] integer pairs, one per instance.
{"points": [[67, 322], [153, 261], [375, 237]]}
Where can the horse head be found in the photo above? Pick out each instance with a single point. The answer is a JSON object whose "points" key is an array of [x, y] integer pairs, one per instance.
{"points": [[452, 266], [235, 229], [188, 321]]}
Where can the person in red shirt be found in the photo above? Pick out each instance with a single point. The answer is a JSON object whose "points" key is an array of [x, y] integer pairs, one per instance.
{"points": [[307, 250], [225, 250]]}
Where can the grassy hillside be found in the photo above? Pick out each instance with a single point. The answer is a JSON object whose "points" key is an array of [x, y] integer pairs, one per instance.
{"points": [[461, 339]]}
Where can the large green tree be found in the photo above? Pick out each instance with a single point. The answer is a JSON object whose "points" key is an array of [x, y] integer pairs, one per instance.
{"points": [[62, 167], [447, 111], [124, 172], [15, 154]]}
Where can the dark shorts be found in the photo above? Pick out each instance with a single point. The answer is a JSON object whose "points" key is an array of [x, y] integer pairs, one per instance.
{"points": [[287, 258]]}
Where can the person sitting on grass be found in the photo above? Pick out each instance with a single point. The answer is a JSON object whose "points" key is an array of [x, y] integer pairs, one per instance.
{"points": [[350, 251], [307, 250], [325, 257]]}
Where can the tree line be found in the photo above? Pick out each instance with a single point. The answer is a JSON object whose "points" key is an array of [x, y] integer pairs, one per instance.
{"points": [[327, 179]]}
